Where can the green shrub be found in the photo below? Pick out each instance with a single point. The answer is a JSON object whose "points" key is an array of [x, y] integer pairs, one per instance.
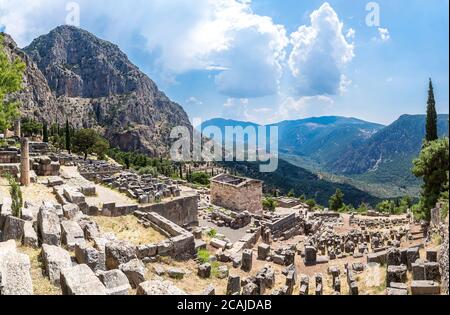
{"points": [[203, 256], [212, 233], [199, 178], [270, 204], [16, 196]]}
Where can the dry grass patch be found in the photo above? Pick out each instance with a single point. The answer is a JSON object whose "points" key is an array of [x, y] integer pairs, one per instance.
{"points": [[127, 228], [373, 280], [41, 284]]}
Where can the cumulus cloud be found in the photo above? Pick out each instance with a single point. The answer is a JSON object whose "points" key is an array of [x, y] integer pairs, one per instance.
{"points": [[320, 53], [242, 109], [30, 18], [305, 106], [179, 35]]}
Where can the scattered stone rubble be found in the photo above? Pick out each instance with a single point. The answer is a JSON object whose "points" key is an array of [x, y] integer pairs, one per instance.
{"points": [[81, 259]]}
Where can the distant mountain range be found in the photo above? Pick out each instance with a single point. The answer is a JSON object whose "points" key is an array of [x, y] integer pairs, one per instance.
{"points": [[370, 156]]}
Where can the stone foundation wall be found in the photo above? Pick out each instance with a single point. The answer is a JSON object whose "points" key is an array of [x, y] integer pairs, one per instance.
{"points": [[12, 169], [247, 197], [7, 157], [182, 211], [179, 245]]}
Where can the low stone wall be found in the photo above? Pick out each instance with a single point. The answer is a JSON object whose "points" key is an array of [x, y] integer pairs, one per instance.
{"points": [[246, 242], [182, 211], [179, 245], [12, 169], [283, 224], [7, 157]]}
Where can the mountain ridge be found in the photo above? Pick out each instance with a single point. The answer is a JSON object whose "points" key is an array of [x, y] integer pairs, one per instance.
{"points": [[93, 84]]}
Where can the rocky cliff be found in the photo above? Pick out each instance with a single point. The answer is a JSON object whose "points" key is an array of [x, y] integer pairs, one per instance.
{"points": [[73, 74], [36, 97]]}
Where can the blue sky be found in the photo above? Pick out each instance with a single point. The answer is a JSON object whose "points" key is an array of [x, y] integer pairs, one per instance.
{"points": [[267, 60]]}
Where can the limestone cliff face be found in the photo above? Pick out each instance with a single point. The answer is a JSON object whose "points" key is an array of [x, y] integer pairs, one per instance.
{"points": [[71, 73], [36, 97]]}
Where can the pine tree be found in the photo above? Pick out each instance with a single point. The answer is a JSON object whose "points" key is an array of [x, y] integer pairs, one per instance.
{"points": [[337, 200], [45, 133], [431, 128], [68, 137]]}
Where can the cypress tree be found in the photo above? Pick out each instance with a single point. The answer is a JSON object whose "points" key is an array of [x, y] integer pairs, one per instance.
{"points": [[431, 128], [68, 137], [45, 133], [181, 170]]}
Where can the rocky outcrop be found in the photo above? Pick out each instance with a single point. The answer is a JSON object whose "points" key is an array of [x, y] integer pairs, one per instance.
{"points": [[36, 98], [73, 74]]}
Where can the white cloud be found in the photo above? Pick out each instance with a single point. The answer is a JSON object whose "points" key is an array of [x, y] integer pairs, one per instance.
{"points": [[180, 35], [193, 101], [306, 106], [384, 34], [320, 53], [344, 84], [30, 18]]}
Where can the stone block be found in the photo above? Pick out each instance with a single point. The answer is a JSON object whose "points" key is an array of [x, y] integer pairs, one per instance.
{"points": [[263, 251], [90, 256], [30, 237], [158, 287], [13, 229], [204, 271], [135, 272], [396, 274], [115, 282], [432, 271], [117, 253], [55, 259], [432, 255], [412, 254], [71, 234], [425, 287], [247, 260], [418, 271], [49, 228], [70, 211], [81, 280], [15, 277], [233, 285]]}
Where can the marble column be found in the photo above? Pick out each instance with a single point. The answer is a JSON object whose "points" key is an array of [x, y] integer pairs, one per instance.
{"points": [[24, 162]]}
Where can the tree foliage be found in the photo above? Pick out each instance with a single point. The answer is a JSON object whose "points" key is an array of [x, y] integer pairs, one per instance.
{"points": [[45, 133], [432, 166], [431, 125], [199, 178], [138, 161], [30, 127], [337, 201], [16, 196], [11, 76], [68, 137], [87, 141], [270, 204]]}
